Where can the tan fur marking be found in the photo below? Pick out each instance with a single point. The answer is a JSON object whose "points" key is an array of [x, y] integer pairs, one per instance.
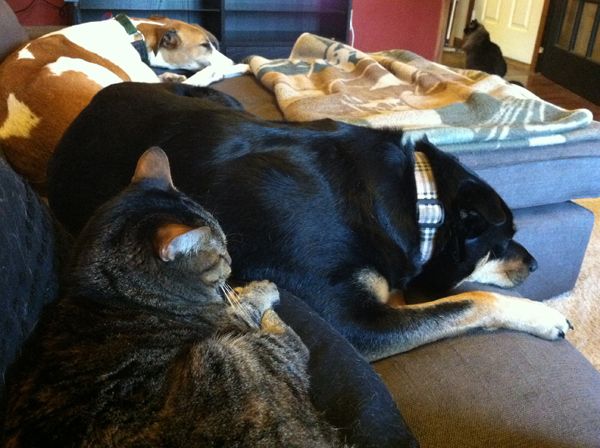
{"points": [[503, 273], [375, 283], [396, 299], [491, 311]]}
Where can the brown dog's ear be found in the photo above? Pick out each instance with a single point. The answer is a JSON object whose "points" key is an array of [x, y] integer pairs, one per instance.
{"points": [[174, 239], [212, 39], [153, 167], [170, 40]]}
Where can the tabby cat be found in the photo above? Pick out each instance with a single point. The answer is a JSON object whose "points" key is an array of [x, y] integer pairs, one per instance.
{"points": [[151, 348]]}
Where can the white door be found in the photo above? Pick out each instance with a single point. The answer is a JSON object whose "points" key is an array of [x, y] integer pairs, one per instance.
{"points": [[513, 25]]}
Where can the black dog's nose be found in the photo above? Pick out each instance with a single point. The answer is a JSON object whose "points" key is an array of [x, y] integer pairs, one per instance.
{"points": [[533, 265]]}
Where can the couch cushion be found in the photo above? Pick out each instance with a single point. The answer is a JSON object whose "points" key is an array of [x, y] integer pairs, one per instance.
{"points": [[497, 390], [12, 34], [531, 176]]}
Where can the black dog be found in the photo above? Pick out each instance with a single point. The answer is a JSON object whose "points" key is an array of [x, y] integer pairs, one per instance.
{"points": [[482, 53], [326, 210]]}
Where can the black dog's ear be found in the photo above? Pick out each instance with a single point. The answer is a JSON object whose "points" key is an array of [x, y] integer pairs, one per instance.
{"points": [[479, 207], [170, 40]]}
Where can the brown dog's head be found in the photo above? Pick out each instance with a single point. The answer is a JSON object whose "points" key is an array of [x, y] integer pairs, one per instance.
{"points": [[175, 44]]}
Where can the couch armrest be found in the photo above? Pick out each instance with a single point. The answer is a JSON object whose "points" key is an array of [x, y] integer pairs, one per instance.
{"points": [[29, 263]]}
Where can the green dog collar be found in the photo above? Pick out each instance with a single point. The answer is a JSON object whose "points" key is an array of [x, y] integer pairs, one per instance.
{"points": [[137, 38]]}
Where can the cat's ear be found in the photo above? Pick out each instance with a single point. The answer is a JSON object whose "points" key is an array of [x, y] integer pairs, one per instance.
{"points": [[153, 167], [171, 240]]}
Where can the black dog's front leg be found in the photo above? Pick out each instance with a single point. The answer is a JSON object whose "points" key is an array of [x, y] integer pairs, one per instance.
{"points": [[378, 330]]}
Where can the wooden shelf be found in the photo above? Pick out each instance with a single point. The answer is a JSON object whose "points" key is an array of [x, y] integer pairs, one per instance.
{"points": [[152, 5], [266, 27], [297, 6], [256, 39]]}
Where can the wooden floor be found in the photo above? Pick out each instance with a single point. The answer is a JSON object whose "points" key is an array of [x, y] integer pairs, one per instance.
{"points": [[535, 82]]}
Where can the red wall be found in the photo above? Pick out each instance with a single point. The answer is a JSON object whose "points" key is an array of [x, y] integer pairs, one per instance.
{"points": [[389, 24], [40, 12]]}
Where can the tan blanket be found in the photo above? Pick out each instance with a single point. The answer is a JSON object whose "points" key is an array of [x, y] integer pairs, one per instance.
{"points": [[398, 89]]}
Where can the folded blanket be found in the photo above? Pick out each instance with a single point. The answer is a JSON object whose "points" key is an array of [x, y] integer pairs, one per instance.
{"points": [[399, 89]]}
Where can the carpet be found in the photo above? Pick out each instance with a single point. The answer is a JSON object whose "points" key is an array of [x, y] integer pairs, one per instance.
{"points": [[582, 305]]}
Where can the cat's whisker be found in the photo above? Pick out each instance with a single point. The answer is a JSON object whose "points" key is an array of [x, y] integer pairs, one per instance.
{"points": [[226, 295], [232, 292], [234, 298]]}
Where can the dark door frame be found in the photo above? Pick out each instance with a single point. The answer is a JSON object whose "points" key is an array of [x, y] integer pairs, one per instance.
{"points": [[577, 73]]}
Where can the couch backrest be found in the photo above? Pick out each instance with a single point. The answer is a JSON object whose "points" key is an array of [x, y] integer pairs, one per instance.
{"points": [[12, 34]]}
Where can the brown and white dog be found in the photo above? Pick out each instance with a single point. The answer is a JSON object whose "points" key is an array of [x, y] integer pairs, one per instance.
{"points": [[45, 84]]}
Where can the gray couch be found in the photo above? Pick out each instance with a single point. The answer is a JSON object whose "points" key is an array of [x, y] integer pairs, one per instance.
{"points": [[499, 389]]}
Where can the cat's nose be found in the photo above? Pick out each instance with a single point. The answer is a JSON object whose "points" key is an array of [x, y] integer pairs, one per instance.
{"points": [[227, 257]]}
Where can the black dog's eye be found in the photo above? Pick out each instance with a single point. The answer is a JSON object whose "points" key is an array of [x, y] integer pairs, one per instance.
{"points": [[499, 249], [206, 45]]}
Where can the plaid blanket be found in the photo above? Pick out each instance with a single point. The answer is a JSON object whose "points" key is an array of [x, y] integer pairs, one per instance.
{"points": [[399, 89]]}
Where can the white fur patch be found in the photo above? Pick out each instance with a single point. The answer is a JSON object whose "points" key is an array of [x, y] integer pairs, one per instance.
{"points": [[218, 59], [108, 39], [136, 22], [24, 53], [157, 60], [19, 121], [96, 73]]}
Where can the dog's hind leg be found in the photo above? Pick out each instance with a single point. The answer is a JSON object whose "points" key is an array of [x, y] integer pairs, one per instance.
{"points": [[378, 330]]}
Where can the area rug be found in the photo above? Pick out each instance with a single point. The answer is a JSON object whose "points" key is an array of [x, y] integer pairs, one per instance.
{"points": [[582, 305]]}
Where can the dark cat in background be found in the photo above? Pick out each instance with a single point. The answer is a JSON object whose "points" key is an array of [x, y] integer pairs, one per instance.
{"points": [[144, 351], [482, 54]]}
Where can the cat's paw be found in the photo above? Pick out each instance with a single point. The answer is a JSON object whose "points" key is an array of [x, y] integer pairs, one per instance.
{"points": [[261, 294], [272, 323]]}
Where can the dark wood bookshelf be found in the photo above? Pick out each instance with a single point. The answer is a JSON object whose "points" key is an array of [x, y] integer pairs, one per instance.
{"points": [[244, 27]]}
